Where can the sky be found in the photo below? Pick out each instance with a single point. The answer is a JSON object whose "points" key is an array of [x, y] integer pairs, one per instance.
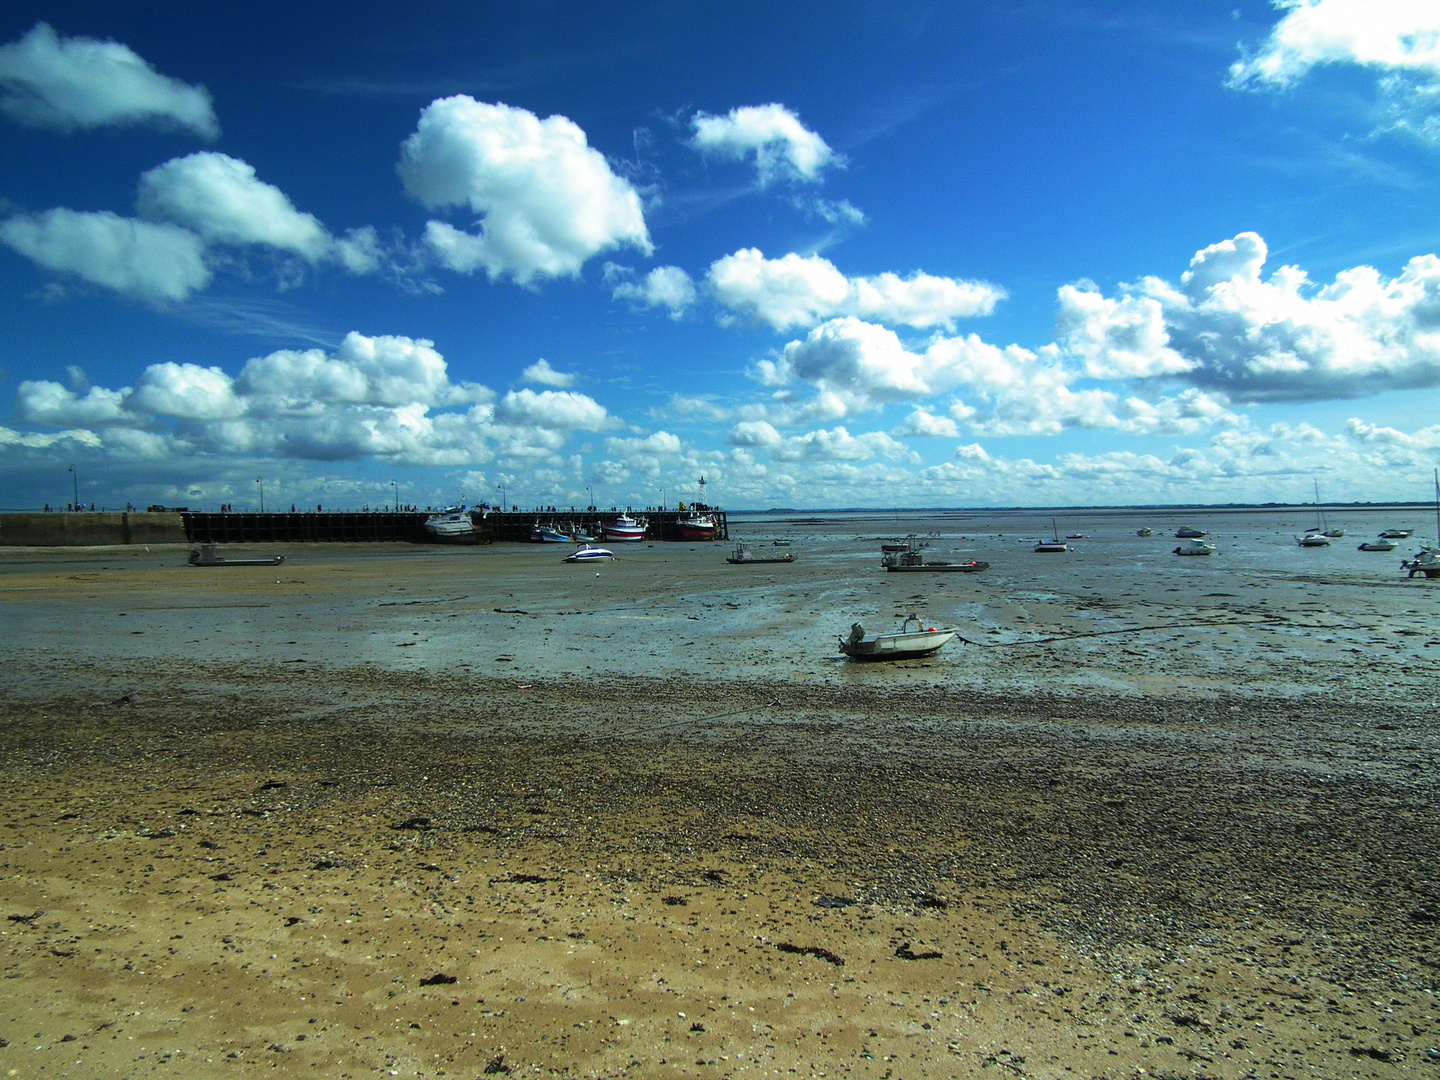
{"points": [[889, 254]]}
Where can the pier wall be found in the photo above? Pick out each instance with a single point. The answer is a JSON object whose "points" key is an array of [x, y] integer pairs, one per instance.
{"points": [[87, 529]]}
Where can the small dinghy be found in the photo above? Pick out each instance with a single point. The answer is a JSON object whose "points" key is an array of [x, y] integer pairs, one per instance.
{"points": [[904, 644], [590, 554], [206, 555]]}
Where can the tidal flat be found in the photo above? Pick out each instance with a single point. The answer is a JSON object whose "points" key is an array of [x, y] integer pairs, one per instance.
{"points": [[466, 811]]}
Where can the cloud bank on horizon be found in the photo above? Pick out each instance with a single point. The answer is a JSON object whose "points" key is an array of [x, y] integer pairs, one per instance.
{"points": [[859, 378]]}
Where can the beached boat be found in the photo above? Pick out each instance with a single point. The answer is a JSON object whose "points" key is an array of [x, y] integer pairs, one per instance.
{"points": [[1427, 559], [207, 555], [1185, 532], [1379, 545], [1195, 547], [912, 561], [625, 529], [743, 554], [698, 526], [889, 546], [589, 554], [453, 523], [1052, 547], [1144, 532], [780, 543], [1396, 534], [548, 533], [1313, 538], [904, 644]]}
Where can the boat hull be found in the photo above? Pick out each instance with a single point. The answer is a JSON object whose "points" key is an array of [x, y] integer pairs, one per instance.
{"points": [[939, 568], [899, 646]]}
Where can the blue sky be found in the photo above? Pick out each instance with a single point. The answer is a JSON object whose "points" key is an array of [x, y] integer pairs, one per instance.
{"points": [[826, 255]]}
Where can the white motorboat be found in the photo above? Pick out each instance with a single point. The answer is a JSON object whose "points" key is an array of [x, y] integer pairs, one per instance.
{"points": [[1313, 538], [1195, 547], [1382, 544], [208, 555], [625, 529], [1144, 532], [452, 523], [1397, 534], [904, 644], [590, 554], [1185, 532]]}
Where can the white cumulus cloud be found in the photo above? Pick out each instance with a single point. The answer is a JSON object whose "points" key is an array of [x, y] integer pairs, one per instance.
{"points": [[553, 409], [155, 262], [665, 286], [927, 424], [70, 83], [1385, 34], [783, 147], [797, 290], [220, 198], [547, 201], [542, 373], [1229, 328]]}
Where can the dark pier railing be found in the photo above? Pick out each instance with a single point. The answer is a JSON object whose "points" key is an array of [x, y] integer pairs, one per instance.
{"points": [[491, 526]]}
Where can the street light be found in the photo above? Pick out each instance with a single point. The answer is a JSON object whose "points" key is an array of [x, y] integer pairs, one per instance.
{"points": [[262, 493], [75, 479], [590, 489], [396, 489], [504, 499]]}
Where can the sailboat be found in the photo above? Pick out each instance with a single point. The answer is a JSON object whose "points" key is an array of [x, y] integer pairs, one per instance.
{"points": [[1048, 547], [1427, 559], [1316, 536]]}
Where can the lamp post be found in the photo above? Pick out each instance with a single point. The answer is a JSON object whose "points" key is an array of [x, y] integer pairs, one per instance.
{"points": [[590, 490], [262, 493], [504, 500], [75, 480], [662, 498], [395, 488]]}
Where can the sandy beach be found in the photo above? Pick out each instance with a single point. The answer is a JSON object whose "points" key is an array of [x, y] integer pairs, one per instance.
{"points": [[457, 812]]}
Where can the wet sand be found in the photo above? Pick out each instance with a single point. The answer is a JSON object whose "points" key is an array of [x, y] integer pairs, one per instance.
{"points": [[254, 813]]}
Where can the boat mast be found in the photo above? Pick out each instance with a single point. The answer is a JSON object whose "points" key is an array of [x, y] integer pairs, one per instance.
{"points": [[1437, 507], [1319, 520]]}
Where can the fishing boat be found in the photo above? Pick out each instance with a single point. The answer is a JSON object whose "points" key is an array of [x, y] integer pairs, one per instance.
{"points": [[1144, 532], [1185, 532], [590, 554], [698, 526], [625, 529], [1378, 545], [1397, 534], [743, 555], [1051, 547], [904, 644], [453, 523], [207, 555], [1195, 547], [912, 562], [542, 533]]}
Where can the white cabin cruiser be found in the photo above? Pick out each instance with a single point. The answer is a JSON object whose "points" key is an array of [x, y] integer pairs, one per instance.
{"points": [[590, 554], [452, 523], [1195, 547]]}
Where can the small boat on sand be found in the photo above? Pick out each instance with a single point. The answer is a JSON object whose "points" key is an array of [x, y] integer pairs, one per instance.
{"points": [[1195, 547], [1382, 544], [1185, 532], [590, 554], [1144, 532], [1313, 538], [904, 644], [899, 562], [1427, 559], [1396, 534], [206, 555], [1052, 547], [742, 555]]}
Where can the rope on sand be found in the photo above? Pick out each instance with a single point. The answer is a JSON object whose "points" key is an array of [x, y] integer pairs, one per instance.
{"points": [[1111, 633]]}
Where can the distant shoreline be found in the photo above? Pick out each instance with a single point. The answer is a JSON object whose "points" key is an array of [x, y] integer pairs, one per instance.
{"points": [[1170, 507]]}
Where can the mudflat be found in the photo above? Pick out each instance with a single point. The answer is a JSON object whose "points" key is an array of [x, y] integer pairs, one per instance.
{"points": [[424, 812]]}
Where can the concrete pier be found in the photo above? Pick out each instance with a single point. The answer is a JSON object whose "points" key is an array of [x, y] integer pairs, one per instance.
{"points": [[91, 529]]}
